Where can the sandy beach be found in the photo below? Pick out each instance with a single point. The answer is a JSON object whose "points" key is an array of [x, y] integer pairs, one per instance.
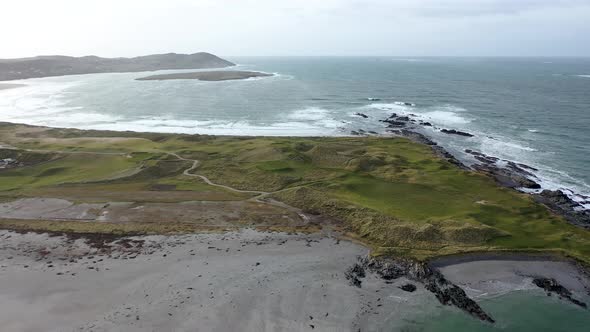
{"points": [[246, 281]]}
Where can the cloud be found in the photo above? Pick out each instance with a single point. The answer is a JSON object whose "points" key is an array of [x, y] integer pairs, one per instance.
{"points": [[295, 27], [485, 7]]}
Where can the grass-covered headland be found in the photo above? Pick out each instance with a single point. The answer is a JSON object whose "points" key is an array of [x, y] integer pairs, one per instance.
{"points": [[393, 194]]}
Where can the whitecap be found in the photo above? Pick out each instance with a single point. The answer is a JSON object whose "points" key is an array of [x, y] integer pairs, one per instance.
{"points": [[309, 114]]}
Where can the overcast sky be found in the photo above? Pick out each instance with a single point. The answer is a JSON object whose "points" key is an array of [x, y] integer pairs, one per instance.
{"points": [[295, 27]]}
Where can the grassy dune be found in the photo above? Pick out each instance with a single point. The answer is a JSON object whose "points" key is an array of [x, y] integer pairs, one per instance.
{"points": [[391, 193]]}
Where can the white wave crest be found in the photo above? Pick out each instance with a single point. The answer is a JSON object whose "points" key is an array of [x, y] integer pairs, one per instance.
{"points": [[309, 114]]}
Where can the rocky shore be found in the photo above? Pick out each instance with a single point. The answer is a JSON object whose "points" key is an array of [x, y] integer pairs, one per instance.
{"points": [[506, 173], [390, 269]]}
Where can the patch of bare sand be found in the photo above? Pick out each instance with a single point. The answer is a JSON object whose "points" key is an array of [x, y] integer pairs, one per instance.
{"points": [[239, 281], [221, 213], [490, 275]]}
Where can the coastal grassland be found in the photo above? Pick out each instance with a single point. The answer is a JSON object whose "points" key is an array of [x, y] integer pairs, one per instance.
{"points": [[393, 194]]}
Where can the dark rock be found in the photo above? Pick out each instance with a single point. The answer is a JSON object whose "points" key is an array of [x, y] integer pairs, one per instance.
{"points": [[506, 177], [512, 175], [403, 118], [426, 124], [361, 115], [408, 104], [438, 150], [456, 132], [445, 291], [395, 124], [561, 204], [354, 274], [551, 285], [408, 288]]}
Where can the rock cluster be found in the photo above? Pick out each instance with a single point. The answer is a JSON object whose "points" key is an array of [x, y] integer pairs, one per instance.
{"points": [[551, 285], [445, 291], [561, 204], [9, 163], [456, 132], [510, 174]]}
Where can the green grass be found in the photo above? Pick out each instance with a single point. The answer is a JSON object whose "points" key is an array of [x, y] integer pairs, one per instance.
{"points": [[69, 168], [391, 193]]}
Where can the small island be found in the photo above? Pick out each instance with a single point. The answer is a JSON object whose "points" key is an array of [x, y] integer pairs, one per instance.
{"points": [[219, 75]]}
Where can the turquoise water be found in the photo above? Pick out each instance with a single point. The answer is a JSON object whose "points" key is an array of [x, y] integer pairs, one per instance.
{"points": [[517, 311]]}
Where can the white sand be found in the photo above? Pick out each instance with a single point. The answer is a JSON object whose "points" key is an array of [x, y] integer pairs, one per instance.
{"points": [[194, 283]]}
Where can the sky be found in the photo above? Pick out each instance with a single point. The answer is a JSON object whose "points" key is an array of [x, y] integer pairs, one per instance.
{"points": [[296, 27]]}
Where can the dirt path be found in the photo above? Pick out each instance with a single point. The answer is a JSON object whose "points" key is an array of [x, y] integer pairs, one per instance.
{"points": [[261, 196]]}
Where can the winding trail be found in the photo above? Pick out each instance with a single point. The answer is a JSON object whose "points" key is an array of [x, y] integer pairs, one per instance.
{"points": [[196, 164], [260, 196]]}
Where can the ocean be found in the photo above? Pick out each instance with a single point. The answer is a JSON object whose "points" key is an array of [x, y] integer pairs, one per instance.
{"points": [[534, 111]]}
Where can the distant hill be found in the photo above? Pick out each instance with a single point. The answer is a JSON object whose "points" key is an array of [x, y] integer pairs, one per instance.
{"points": [[43, 66]]}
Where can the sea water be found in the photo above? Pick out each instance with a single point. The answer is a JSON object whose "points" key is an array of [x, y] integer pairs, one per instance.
{"points": [[534, 111], [522, 311]]}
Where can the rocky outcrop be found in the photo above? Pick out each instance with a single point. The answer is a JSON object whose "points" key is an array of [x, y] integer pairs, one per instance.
{"points": [[561, 204], [445, 291], [408, 288], [551, 286], [510, 174], [456, 132], [438, 150], [396, 121]]}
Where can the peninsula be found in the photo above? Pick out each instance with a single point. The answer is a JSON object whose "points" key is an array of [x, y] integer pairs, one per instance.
{"points": [[45, 66]]}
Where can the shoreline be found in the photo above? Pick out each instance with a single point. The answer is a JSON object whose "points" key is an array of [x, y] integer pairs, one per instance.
{"points": [[245, 280], [226, 280]]}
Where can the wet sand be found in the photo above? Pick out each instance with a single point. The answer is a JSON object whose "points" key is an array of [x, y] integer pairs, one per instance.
{"points": [[491, 275], [242, 281]]}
